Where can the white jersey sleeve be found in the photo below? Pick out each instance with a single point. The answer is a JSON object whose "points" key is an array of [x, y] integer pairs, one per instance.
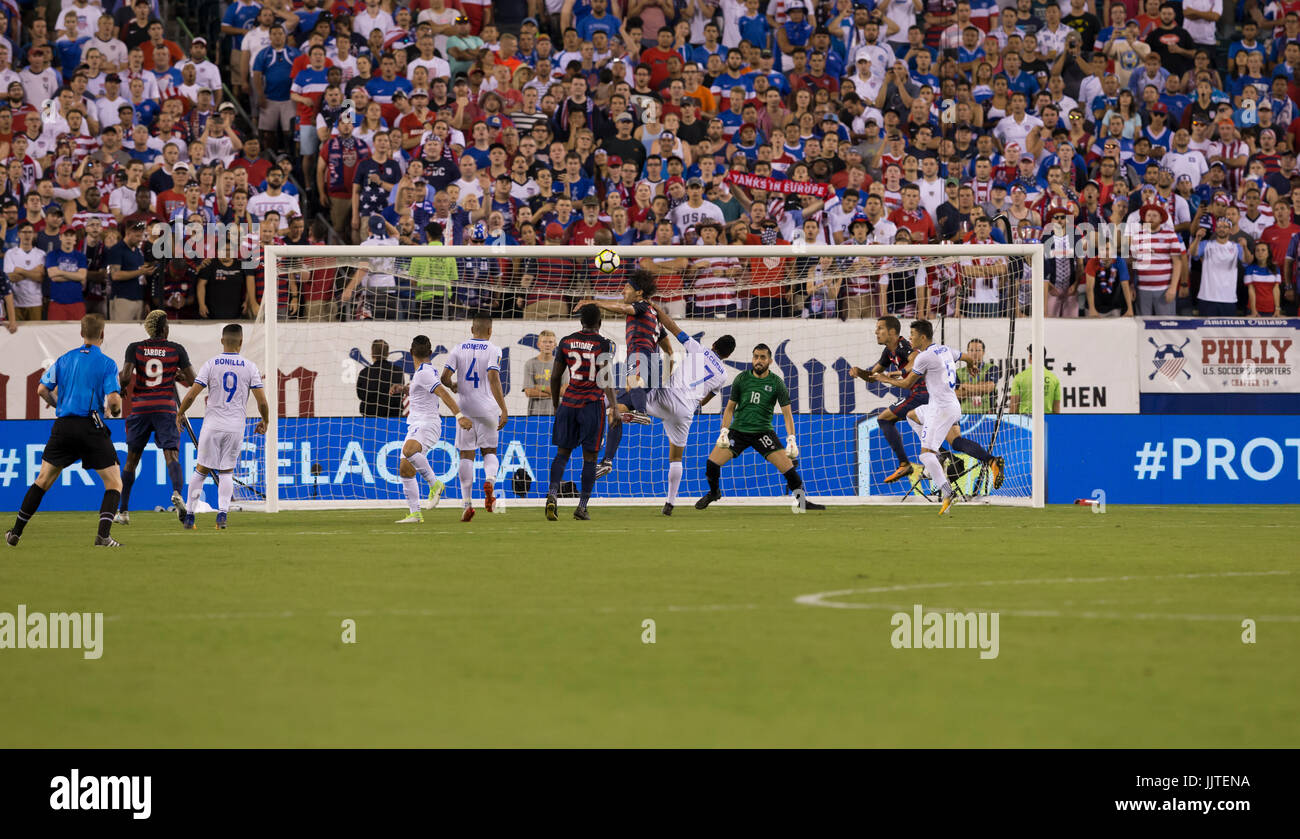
{"points": [[471, 361], [698, 375], [938, 364], [229, 378], [423, 405]]}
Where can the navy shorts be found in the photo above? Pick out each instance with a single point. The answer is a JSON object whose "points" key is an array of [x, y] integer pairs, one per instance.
{"points": [[634, 398], [582, 427], [911, 401], [157, 423]]}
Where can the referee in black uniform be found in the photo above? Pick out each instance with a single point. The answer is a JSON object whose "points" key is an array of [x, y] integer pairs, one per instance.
{"points": [[77, 386]]}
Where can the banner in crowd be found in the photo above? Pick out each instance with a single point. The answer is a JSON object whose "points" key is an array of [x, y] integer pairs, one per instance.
{"points": [[320, 363], [775, 185], [1220, 355], [1185, 459]]}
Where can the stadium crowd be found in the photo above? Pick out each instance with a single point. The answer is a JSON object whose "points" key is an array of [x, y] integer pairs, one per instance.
{"points": [[659, 122]]}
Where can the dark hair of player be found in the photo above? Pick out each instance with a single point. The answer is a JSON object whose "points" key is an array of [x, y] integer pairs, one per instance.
{"points": [[891, 324], [644, 282], [763, 348], [589, 316], [155, 324], [232, 330], [480, 322], [724, 346], [421, 346], [924, 327], [92, 327], [975, 341]]}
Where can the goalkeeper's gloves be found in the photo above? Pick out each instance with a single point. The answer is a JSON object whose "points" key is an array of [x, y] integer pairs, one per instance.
{"points": [[791, 447], [724, 439]]}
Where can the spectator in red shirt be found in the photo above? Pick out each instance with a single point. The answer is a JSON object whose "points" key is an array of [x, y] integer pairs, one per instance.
{"points": [[251, 159], [656, 58], [583, 231], [1278, 235], [913, 216]]}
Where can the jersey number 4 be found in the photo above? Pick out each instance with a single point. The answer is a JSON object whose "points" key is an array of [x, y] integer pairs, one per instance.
{"points": [[470, 375]]}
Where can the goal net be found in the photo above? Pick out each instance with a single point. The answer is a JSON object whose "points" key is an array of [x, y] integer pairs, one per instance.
{"points": [[338, 429]]}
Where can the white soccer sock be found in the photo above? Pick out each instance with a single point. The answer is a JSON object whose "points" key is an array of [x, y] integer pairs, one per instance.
{"points": [[674, 480], [225, 490], [421, 464], [466, 481], [490, 467], [937, 476], [412, 490], [196, 490]]}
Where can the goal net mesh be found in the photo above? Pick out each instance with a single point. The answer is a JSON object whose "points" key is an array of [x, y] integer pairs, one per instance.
{"points": [[339, 353]]}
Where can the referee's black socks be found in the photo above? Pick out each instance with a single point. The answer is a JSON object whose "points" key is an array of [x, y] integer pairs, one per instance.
{"points": [[107, 508], [31, 503]]}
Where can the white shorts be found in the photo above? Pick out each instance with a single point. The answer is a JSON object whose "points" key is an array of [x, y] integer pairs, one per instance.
{"points": [[426, 435], [677, 417], [218, 449], [482, 435], [935, 424]]}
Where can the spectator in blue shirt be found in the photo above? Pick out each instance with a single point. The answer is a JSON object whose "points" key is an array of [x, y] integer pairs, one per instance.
{"points": [[599, 20], [273, 80]]}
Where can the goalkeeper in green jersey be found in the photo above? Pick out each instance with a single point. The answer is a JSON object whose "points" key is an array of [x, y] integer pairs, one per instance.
{"points": [[747, 423]]}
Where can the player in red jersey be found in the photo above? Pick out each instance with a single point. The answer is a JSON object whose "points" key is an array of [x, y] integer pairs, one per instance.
{"points": [[644, 337], [587, 356], [156, 364]]}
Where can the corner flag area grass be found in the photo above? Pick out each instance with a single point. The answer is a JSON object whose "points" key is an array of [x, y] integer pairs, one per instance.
{"points": [[1122, 629]]}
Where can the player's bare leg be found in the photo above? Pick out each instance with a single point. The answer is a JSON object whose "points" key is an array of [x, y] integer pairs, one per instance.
{"points": [[413, 452], [800, 503], [490, 467], [718, 458], [674, 477], [887, 422]]}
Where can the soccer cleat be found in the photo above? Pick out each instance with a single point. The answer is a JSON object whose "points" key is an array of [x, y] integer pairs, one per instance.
{"points": [[187, 521], [435, 493], [636, 418], [467, 514], [999, 469], [947, 505], [178, 502], [412, 518], [900, 473], [106, 542], [123, 517], [11, 538], [489, 499], [581, 514], [812, 505], [552, 509], [667, 510], [604, 468], [221, 521], [708, 499]]}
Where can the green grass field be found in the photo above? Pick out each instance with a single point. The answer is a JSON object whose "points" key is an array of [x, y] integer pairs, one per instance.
{"points": [[1121, 629]]}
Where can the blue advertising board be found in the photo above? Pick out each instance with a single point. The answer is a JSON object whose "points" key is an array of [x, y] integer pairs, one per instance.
{"points": [[1182, 459]]}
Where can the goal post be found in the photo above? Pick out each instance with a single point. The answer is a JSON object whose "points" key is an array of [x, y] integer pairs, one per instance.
{"points": [[334, 438]]}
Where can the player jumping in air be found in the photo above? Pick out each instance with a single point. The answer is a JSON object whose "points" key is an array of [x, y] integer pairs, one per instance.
{"points": [[693, 382], [997, 467], [588, 357], [423, 425], [230, 378], [476, 368], [156, 364], [643, 338], [938, 365], [896, 356], [747, 422]]}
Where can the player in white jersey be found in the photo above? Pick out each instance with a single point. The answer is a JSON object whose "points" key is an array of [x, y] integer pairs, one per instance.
{"points": [[938, 364], [229, 378], [917, 418], [693, 381], [473, 372], [423, 426]]}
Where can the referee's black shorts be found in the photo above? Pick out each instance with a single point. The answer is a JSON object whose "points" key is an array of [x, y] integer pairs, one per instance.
{"points": [[80, 438]]}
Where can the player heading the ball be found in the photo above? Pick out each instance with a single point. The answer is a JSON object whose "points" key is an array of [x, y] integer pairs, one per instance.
{"points": [[747, 422]]}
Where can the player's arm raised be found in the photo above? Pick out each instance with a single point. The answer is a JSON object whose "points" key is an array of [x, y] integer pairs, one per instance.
{"points": [[494, 379]]}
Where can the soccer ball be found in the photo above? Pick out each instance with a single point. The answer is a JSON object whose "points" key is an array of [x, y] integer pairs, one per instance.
{"points": [[607, 261]]}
